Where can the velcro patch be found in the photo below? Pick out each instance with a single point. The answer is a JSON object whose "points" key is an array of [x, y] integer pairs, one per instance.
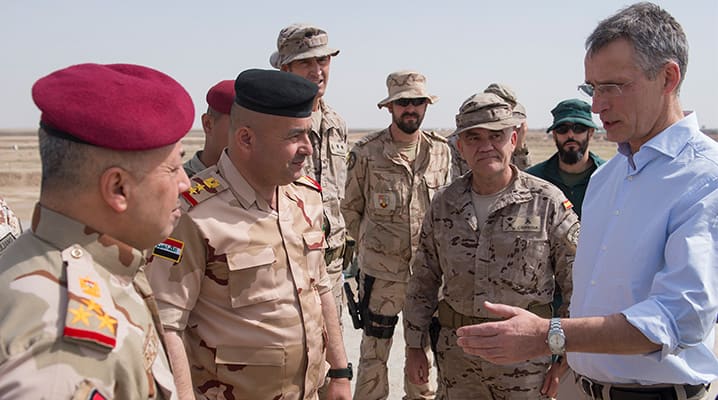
{"points": [[171, 249], [521, 224]]}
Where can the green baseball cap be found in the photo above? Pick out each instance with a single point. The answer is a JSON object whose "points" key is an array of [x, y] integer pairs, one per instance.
{"points": [[572, 110]]}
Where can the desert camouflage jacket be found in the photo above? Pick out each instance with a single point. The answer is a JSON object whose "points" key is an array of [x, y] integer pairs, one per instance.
{"points": [[527, 245], [386, 198], [243, 284], [10, 228], [329, 141], [78, 317], [194, 164], [520, 158]]}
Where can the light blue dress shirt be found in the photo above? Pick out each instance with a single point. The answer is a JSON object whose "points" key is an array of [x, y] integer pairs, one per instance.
{"points": [[648, 248]]}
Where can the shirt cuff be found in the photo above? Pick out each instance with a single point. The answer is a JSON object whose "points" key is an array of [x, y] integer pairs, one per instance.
{"points": [[651, 320], [415, 339]]}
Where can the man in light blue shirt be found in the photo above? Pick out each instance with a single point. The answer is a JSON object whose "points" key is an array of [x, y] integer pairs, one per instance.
{"points": [[645, 278]]}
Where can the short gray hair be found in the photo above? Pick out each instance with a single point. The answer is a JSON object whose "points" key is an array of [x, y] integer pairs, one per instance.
{"points": [[656, 36], [69, 165]]}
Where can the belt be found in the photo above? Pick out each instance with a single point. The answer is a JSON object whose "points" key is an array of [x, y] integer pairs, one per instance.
{"points": [[449, 318], [333, 254], [617, 392]]}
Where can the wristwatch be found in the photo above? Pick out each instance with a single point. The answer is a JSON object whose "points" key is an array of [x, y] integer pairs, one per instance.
{"points": [[556, 338], [342, 372]]}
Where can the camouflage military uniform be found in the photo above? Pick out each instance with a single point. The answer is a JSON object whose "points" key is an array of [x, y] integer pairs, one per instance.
{"points": [[194, 164], [78, 318], [243, 283], [10, 228], [527, 244], [385, 202], [520, 158], [328, 167]]}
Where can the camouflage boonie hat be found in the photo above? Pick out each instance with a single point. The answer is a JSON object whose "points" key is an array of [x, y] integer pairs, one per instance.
{"points": [[485, 110], [506, 93], [503, 91], [406, 85], [300, 41]]}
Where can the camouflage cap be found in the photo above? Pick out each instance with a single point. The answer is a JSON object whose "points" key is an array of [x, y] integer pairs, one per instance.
{"points": [[406, 85], [485, 110], [520, 112], [300, 41], [503, 91]]}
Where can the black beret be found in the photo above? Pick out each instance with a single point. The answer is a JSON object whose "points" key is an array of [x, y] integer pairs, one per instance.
{"points": [[275, 93]]}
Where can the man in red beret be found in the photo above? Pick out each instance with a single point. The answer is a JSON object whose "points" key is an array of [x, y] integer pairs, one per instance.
{"points": [[215, 123], [241, 284], [78, 316]]}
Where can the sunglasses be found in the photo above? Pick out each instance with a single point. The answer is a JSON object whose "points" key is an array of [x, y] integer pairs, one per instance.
{"points": [[414, 102], [576, 128]]}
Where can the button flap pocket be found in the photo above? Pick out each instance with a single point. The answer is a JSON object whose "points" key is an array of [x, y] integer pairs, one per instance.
{"points": [[249, 355], [250, 258]]}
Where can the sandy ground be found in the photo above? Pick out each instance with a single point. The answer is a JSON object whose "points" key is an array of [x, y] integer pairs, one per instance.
{"points": [[20, 181]]}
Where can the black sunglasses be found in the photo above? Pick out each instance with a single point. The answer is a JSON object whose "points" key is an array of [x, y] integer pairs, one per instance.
{"points": [[576, 128], [414, 102]]}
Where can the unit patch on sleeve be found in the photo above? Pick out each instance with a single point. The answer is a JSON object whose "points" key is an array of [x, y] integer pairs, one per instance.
{"points": [[170, 249]]}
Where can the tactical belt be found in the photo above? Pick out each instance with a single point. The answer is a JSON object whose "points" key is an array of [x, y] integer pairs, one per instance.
{"points": [[448, 318], [333, 254], [635, 392]]}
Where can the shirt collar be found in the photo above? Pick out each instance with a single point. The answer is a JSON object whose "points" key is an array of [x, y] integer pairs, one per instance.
{"points": [[245, 193], [115, 256]]}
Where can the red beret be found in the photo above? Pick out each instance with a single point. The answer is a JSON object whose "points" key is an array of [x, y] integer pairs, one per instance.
{"points": [[221, 96], [115, 106]]}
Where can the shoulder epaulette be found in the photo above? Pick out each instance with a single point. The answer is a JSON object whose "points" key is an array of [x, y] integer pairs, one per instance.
{"points": [[203, 185], [368, 138], [91, 314], [436, 136], [308, 181]]}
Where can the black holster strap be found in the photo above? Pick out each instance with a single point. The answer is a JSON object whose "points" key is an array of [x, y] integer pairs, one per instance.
{"points": [[381, 332]]}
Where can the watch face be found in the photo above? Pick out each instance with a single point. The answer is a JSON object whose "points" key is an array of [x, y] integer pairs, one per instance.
{"points": [[556, 342]]}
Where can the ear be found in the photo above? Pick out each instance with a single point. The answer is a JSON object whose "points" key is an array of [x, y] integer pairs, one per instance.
{"points": [[672, 73], [514, 137], [114, 188], [244, 138], [285, 68], [390, 107], [207, 122], [590, 133]]}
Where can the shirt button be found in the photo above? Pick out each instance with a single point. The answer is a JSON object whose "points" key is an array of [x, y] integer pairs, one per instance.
{"points": [[616, 212], [604, 248], [630, 178], [593, 283]]}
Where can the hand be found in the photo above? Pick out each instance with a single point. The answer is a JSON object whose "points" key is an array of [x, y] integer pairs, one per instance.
{"points": [[339, 389], [417, 366], [553, 378], [520, 337]]}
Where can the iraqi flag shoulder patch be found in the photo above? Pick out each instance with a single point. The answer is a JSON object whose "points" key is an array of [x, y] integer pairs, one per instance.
{"points": [[171, 249]]}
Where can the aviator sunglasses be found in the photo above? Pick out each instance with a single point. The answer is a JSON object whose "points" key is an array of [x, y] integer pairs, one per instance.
{"points": [[576, 128], [414, 102]]}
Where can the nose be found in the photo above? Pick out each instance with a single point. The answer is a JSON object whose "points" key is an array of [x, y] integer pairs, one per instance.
{"points": [[598, 104], [184, 182], [306, 145]]}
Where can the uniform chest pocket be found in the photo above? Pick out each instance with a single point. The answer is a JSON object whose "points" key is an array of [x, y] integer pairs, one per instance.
{"points": [[434, 181], [252, 276], [385, 193]]}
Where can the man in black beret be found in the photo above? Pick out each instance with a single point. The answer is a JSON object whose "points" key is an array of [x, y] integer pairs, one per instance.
{"points": [[243, 279]]}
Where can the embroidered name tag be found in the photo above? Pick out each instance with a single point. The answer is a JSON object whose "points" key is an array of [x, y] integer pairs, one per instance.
{"points": [[522, 224]]}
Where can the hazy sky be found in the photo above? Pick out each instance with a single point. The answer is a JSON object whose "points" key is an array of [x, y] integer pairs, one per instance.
{"points": [[536, 47]]}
